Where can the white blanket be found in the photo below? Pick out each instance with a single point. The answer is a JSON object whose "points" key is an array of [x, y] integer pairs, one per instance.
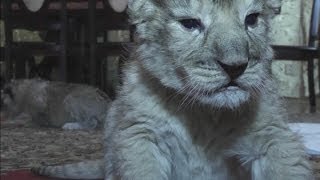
{"points": [[310, 133]]}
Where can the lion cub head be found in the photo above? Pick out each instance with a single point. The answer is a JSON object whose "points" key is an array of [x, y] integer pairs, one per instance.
{"points": [[215, 52]]}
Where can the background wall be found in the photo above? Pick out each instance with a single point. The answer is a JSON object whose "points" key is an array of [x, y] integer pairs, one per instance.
{"points": [[292, 28]]}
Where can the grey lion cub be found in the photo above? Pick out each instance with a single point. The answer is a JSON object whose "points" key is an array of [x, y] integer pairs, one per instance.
{"points": [[198, 101], [55, 104]]}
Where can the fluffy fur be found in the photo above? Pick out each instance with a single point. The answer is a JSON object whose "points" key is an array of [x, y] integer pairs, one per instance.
{"points": [[178, 117], [55, 104]]}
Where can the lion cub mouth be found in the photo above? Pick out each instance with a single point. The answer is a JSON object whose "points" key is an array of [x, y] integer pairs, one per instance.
{"points": [[229, 96], [231, 86]]}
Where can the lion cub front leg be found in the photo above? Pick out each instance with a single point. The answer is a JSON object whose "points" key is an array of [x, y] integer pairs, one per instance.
{"points": [[273, 153], [139, 157]]}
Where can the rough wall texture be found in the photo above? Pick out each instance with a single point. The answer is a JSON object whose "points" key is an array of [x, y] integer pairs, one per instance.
{"points": [[292, 28]]}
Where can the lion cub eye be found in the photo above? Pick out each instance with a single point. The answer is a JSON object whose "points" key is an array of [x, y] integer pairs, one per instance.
{"points": [[252, 19], [191, 24]]}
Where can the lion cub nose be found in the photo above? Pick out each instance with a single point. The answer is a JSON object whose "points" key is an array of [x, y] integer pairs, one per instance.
{"points": [[234, 70]]}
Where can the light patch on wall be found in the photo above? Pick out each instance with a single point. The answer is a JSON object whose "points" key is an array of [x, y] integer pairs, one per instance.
{"points": [[291, 28], [292, 69]]}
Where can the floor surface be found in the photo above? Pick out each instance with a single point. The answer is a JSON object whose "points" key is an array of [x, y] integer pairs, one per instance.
{"points": [[24, 146]]}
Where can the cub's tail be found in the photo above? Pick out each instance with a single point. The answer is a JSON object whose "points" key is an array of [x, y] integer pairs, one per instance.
{"points": [[82, 170]]}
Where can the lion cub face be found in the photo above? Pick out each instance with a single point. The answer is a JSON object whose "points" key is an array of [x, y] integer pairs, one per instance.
{"points": [[214, 52]]}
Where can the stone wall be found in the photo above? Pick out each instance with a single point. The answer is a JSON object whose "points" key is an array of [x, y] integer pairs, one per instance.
{"points": [[292, 28]]}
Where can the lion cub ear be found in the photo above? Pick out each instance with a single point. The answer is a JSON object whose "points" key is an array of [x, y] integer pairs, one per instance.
{"points": [[138, 10], [118, 5], [275, 5], [141, 10]]}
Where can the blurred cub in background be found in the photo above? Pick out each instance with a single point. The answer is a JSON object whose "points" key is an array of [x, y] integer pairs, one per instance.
{"points": [[55, 104]]}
